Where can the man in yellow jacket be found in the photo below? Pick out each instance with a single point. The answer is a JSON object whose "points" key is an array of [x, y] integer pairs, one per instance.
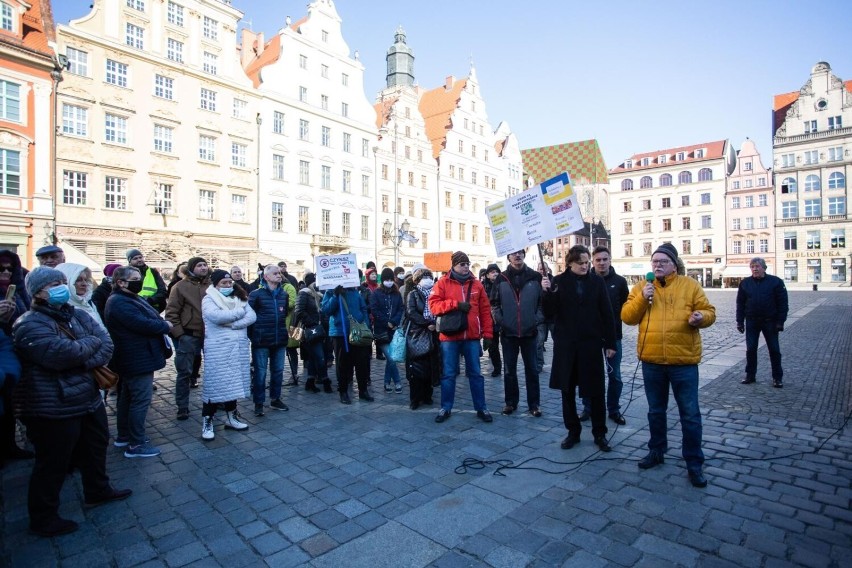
{"points": [[670, 310]]}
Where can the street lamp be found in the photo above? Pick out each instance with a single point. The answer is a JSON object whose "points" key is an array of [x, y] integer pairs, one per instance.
{"points": [[397, 235]]}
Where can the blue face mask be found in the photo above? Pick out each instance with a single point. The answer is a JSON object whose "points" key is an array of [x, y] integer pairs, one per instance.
{"points": [[58, 295], [226, 291]]}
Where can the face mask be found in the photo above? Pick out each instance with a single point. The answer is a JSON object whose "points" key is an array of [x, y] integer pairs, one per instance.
{"points": [[426, 283], [134, 286], [58, 295], [388, 284], [226, 291]]}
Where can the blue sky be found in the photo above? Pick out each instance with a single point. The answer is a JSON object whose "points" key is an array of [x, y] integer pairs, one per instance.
{"points": [[638, 76]]}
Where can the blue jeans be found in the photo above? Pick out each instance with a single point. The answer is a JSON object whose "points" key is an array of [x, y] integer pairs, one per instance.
{"points": [[684, 384], [391, 370], [263, 358], [315, 360], [450, 352], [754, 327], [188, 348], [615, 386], [527, 347], [132, 407]]}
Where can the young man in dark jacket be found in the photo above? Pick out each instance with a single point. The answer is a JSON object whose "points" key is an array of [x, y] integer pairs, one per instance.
{"points": [[491, 275], [762, 305], [516, 299]]}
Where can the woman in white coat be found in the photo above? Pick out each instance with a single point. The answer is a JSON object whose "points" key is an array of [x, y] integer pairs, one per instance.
{"points": [[226, 315]]}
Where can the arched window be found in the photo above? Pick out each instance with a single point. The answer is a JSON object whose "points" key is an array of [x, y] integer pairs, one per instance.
{"points": [[646, 182], [705, 174], [665, 180], [789, 185], [812, 183], [626, 185], [684, 177], [836, 181]]}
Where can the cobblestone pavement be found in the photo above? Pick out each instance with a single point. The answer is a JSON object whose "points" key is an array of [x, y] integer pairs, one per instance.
{"points": [[375, 484]]}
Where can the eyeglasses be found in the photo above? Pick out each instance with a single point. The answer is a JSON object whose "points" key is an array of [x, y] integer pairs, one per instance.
{"points": [[660, 262], [464, 264]]}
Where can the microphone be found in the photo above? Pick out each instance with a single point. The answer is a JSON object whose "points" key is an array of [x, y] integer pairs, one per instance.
{"points": [[649, 278]]}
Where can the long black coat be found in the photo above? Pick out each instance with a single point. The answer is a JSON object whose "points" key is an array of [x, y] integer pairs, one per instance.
{"points": [[583, 327], [137, 331]]}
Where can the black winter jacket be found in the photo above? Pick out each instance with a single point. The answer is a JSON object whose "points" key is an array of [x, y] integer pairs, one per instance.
{"points": [[56, 379], [386, 307], [137, 332], [517, 310], [307, 308], [616, 287], [764, 299]]}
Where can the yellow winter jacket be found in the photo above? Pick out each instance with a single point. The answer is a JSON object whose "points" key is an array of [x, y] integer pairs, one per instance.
{"points": [[665, 336]]}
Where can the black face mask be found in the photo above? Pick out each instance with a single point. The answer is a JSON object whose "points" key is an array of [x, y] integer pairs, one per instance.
{"points": [[134, 286]]}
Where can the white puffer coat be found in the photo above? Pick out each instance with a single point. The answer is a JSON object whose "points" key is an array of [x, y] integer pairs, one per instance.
{"points": [[226, 347]]}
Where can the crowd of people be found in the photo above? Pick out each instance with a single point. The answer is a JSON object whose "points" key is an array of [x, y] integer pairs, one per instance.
{"points": [[133, 322]]}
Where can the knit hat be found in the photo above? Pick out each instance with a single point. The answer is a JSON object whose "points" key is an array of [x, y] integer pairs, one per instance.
{"points": [[421, 274], [218, 275], [491, 267], [459, 257], [417, 268], [310, 278], [387, 274], [668, 250], [190, 266], [110, 268], [131, 253], [40, 277]]}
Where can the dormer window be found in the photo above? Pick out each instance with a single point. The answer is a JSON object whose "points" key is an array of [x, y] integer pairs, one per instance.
{"points": [[7, 17], [628, 164], [662, 159], [699, 153], [646, 161], [679, 156]]}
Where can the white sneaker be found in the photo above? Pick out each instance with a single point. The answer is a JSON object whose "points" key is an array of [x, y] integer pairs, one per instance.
{"points": [[233, 421], [207, 428]]}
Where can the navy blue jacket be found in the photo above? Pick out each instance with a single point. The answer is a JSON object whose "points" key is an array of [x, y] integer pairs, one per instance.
{"points": [[270, 329], [137, 334], [764, 299], [385, 307]]}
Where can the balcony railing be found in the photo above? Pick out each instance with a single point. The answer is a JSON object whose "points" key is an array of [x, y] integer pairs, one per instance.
{"points": [[779, 140]]}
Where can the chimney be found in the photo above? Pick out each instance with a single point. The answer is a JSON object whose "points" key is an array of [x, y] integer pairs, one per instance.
{"points": [[449, 82]]}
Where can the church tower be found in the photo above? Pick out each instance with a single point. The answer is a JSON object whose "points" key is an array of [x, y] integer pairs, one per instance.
{"points": [[400, 62]]}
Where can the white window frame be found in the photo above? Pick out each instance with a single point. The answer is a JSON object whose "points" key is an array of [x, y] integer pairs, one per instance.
{"points": [[75, 120], [175, 14], [240, 109], [239, 209], [174, 50], [210, 63], [238, 154], [206, 148], [115, 193], [10, 101], [10, 172], [78, 61], [207, 204], [207, 100], [115, 129], [134, 36], [211, 28], [164, 138], [164, 87], [116, 73], [75, 188], [277, 166]]}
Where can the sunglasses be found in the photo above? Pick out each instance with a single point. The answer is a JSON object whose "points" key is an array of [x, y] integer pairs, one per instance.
{"points": [[464, 264], [6, 269]]}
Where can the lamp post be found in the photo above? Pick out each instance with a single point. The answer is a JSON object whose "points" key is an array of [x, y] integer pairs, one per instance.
{"points": [[59, 64], [397, 235], [259, 120]]}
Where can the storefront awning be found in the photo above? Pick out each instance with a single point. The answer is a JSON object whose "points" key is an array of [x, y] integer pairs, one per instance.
{"points": [[736, 271]]}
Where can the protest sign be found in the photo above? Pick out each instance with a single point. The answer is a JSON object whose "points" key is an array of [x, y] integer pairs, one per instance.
{"points": [[546, 211], [337, 270]]}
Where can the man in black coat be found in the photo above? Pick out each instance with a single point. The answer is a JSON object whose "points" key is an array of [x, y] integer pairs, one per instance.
{"points": [[762, 304]]}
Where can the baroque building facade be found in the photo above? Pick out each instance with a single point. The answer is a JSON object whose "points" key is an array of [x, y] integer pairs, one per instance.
{"points": [[675, 195], [29, 71], [812, 156], [750, 216], [157, 142]]}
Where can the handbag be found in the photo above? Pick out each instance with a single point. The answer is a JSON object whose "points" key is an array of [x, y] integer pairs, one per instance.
{"points": [[312, 334], [455, 321], [382, 337], [104, 376], [419, 342], [396, 350], [359, 333], [168, 346]]}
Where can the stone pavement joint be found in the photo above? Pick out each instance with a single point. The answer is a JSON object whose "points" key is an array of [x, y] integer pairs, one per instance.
{"points": [[373, 485]]}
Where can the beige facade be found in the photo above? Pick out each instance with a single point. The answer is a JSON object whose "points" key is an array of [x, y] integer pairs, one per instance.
{"points": [[750, 216], [812, 153], [157, 137], [675, 195]]}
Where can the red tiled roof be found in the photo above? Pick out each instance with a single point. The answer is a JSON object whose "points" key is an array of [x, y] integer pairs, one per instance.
{"points": [[36, 30], [714, 151], [437, 107], [270, 54], [582, 160], [383, 110], [782, 103]]}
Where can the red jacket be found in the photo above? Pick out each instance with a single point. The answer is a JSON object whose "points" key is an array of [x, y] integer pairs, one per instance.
{"points": [[447, 294]]}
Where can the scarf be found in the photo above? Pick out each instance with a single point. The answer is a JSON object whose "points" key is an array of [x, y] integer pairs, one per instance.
{"points": [[224, 302], [427, 313]]}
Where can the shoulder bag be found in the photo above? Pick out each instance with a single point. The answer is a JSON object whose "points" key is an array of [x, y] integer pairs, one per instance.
{"points": [[455, 321], [359, 333]]}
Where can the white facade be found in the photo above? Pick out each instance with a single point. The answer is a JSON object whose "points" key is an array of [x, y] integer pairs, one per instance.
{"points": [[677, 196], [750, 205], [812, 152], [156, 147], [318, 131]]}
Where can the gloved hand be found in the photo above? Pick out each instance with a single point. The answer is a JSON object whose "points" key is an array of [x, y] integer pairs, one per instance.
{"points": [[338, 291], [464, 306], [740, 328], [779, 326], [486, 344]]}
